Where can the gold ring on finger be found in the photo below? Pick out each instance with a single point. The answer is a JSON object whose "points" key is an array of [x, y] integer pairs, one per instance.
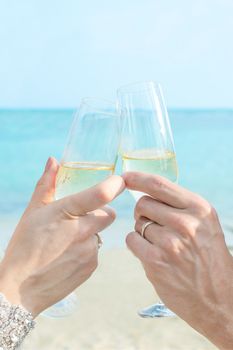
{"points": [[144, 227], [69, 215]]}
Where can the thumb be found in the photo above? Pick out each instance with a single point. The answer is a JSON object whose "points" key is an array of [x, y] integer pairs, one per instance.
{"points": [[45, 188]]}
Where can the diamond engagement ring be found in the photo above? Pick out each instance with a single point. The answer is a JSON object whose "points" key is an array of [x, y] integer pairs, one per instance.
{"points": [[100, 242], [144, 226]]}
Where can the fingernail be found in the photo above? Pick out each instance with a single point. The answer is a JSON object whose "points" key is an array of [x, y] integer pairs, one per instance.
{"points": [[48, 164]]}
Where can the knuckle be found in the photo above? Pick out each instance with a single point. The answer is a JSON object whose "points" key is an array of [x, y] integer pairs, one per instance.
{"points": [[141, 204], [103, 196], [213, 213], [206, 210], [203, 207], [172, 246], [168, 244], [181, 222], [108, 218], [111, 214], [187, 226], [130, 239], [41, 183], [158, 182]]}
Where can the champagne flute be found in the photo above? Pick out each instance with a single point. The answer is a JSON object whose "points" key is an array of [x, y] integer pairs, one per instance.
{"points": [[147, 144], [90, 157]]}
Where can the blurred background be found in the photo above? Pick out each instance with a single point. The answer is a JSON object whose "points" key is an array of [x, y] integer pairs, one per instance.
{"points": [[54, 53]]}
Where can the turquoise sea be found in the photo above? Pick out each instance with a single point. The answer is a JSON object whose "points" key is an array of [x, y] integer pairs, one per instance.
{"points": [[204, 145]]}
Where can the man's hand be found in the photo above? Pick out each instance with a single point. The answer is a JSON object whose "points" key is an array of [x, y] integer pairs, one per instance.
{"points": [[184, 255], [54, 248]]}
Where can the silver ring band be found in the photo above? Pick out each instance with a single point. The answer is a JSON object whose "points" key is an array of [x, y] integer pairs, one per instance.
{"points": [[144, 227]]}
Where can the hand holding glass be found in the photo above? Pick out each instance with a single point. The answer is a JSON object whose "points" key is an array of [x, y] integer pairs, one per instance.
{"points": [[89, 158], [147, 144]]}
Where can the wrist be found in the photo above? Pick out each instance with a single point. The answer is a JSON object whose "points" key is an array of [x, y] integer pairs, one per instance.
{"points": [[216, 321], [11, 286], [220, 330]]}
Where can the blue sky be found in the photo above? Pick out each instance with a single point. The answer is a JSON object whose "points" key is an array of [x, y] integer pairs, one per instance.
{"points": [[52, 53]]}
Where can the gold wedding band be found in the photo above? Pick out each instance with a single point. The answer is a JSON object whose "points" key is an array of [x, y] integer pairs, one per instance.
{"points": [[70, 216], [144, 227], [75, 217], [100, 242]]}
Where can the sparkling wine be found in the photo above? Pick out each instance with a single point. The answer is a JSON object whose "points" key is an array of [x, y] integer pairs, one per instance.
{"points": [[75, 177], [151, 161]]}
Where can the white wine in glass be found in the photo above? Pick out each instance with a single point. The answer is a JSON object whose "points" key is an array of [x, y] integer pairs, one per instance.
{"points": [[147, 144], [89, 158], [152, 161], [77, 176]]}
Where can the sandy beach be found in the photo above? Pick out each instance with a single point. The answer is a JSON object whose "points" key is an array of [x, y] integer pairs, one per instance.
{"points": [[107, 315]]}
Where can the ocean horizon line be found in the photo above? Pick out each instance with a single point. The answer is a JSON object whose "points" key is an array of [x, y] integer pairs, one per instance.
{"points": [[63, 109]]}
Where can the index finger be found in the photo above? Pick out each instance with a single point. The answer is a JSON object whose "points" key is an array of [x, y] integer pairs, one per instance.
{"points": [[94, 197], [159, 188]]}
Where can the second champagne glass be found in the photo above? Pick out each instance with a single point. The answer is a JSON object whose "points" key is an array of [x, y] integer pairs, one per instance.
{"points": [[89, 157], [147, 144]]}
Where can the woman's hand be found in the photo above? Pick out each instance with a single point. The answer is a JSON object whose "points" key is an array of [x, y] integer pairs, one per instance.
{"points": [[184, 255], [54, 248]]}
